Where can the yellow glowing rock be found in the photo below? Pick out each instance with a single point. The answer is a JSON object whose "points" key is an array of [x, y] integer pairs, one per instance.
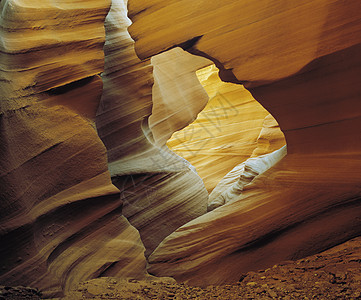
{"points": [[270, 138], [226, 132], [177, 95], [230, 188], [263, 157]]}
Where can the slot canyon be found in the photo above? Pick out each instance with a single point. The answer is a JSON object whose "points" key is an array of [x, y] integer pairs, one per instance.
{"points": [[180, 149]]}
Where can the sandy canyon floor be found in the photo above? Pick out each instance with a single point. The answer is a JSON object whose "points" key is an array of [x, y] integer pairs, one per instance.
{"points": [[333, 274]]}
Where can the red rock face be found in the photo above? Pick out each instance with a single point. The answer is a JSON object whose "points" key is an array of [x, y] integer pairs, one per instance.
{"points": [[325, 105], [301, 62]]}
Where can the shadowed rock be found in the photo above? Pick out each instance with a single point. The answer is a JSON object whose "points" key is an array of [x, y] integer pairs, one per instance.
{"points": [[301, 62]]}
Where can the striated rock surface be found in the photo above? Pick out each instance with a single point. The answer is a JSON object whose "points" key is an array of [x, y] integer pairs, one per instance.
{"points": [[301, 61], [160, 190], [284, 214], [177, 94], [227, 131], [260, 42], [60, 215], [231, 186], [270, 138], [62, 221]]}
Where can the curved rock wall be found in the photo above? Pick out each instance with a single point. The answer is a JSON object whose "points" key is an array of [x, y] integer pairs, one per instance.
{"points": [[227, 131], [177, 95], [270, 149], [230, 188], [61, 217], [300, 61], [159, 189]]}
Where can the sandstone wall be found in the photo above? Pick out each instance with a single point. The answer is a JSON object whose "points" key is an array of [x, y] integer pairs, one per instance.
{"points": [[227, 131], [300, 61], [177, 94], [61, 217], [159, 189]]}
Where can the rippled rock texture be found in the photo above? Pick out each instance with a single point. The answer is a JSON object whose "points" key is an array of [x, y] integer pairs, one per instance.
{"points": [[160, 190], [301, 61], [88, 187], [60, 213], [231, 128], [62, 219]]}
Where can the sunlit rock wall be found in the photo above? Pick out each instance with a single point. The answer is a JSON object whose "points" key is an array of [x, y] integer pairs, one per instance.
{"points": [[177, 94], [231, 186], [160, 190], [60, 215], [270, 150], [301, 61], [226, 132]]}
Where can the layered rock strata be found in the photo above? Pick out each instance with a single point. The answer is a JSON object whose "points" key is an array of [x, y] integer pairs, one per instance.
{"points": [[160, 190], [301, 61], [177, 94], [227, 131], [265, 156], [60, 215], [231, 186]]}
